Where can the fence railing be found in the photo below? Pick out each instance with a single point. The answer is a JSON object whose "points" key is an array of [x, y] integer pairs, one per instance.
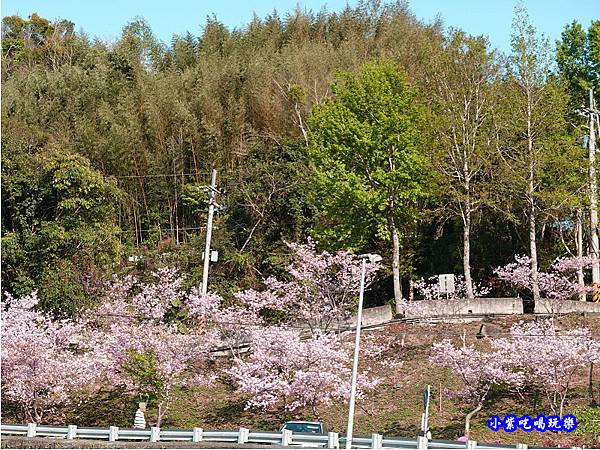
{"points": [[330, 440]]}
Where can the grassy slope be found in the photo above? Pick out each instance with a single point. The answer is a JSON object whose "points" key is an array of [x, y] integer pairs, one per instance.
{"points": [[395, 409]]}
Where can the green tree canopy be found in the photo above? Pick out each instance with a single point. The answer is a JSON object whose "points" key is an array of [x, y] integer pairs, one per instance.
{"points": [[57, 227], [368, 159], [578, 57]]}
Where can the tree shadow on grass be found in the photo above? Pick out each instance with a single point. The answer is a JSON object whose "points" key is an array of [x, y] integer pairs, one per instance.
{"points": [[106, 408], [225, 413], [449, 432], [11, 412]]}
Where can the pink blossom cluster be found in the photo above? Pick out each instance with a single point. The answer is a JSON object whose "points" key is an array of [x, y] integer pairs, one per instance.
{"points": [[548, 357], [429, 289], [556, 284], [574, 263], [45, 362], [154, 299], [537, 353], [284, 368], [41, 367], [323, 289], [479, 371], [42, 360]]}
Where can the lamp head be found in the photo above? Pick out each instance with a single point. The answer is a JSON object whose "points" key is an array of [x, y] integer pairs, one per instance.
{"points": [[371, 257]]}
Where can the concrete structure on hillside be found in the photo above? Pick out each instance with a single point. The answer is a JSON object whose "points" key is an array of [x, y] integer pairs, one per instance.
{"points": [[373, 316], [549, 306], [464, 307], [478, 307]]}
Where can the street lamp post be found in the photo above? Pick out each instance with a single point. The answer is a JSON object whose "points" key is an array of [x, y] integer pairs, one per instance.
{"points": [[373, 259]]}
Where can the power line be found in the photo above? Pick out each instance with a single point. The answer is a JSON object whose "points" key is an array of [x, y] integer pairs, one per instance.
{"points": [[165, 230], [161, 175]]}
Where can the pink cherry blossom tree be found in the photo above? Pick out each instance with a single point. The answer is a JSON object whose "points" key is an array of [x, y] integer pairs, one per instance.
{"points": [[429, 290], [284, 369], [556, 285], [322, 290], [40, 367], [549, 357], [479, 371], [151, 358], [139, 348]]}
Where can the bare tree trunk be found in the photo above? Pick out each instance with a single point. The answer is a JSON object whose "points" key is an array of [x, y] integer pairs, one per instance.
{"points": [[395, 261], [531, 199], [468, 418], [591, 385], [467, 251], [593, 190], [533, 252], [563, 397]]}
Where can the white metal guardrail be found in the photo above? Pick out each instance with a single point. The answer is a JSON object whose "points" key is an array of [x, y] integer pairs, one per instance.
{"points": [[330, 440]]}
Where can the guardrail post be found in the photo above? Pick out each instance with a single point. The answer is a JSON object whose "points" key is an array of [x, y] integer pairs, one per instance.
{"points": [[197, 434], [422, 443], [113, 434], [71, 431], [376, 440], [31, 429], [522, 446], [154, 434], [333, 440], [471, 445], [286, 437], [243, 435]]}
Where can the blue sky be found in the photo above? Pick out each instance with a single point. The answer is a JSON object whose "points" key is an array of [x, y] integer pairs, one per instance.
{"points": [[105, 18]]}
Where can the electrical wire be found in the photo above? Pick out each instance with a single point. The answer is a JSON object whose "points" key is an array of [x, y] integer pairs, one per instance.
{"points": [[161, 175], [164, 230]]}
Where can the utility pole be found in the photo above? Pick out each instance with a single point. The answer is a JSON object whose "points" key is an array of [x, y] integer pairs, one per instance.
{"points": [[579, 245], [212, 190], [593, 196]]}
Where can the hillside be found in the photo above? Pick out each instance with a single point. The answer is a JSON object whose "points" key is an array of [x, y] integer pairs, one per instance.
{"points": [[394, 409]]}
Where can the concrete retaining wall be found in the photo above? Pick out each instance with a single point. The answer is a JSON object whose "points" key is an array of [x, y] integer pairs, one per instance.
{"points": [[373, 316], [548, 306], [464, 307]]}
